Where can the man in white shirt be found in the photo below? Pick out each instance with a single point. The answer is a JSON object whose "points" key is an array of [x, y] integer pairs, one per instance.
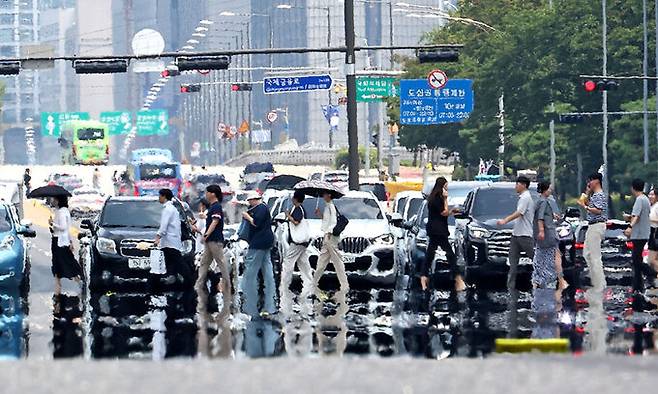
{"points": [[168, 237], [329, 252]]}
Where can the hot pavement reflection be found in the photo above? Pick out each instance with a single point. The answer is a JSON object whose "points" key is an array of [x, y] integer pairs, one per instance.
{"points": [[368, 321]]}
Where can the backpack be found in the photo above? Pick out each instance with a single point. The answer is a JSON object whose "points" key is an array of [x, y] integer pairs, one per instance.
{"points": [[341, 223]]}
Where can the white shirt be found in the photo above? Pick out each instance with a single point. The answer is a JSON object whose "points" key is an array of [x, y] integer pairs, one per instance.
{"points": [[169, 231], [201, 226], [653, 215], [329, 218], [61, 227]]}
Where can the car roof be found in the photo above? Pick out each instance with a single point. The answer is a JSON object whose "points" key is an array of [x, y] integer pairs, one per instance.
{"points": [[133, 198], [409, 194]]}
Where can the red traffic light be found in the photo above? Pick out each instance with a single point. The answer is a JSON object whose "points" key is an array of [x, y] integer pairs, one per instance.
{"points": [[590, 86], [185, 88], [235, 87]]}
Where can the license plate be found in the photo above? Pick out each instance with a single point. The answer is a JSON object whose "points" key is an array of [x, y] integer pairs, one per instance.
{"points": [[609, 250], [525, 261], [349, 259], [139, 263]]}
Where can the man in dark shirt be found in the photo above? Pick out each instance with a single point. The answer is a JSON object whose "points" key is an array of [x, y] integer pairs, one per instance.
{"points": [[258, 259], [214, 241]]}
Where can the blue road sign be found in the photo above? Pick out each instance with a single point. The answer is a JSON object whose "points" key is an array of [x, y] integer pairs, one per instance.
{"points": [[306, 83], [422, 105]]}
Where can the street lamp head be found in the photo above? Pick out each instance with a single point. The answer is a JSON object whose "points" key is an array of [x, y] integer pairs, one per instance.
{"points": [[284, 6], [206, 22], [227, 13]]}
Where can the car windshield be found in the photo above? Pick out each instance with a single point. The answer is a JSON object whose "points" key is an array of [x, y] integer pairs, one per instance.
{"points": [[135, 213], [5, 220], [377, 189], [210, 179], [494, 203], [91, 134], [157, 171], [353, 208]]}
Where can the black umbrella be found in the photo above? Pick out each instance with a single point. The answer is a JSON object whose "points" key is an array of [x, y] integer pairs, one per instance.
{"points": [[283, 182], [318, 188], [49, 191]]}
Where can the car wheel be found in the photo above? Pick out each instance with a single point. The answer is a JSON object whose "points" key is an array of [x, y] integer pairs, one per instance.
{"points": [[24, 287]]}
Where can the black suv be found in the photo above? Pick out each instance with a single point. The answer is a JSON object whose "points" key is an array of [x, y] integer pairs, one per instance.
{"points": [[121, 239], [483, 244]]}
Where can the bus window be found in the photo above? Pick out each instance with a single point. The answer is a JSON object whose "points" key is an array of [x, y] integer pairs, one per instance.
{"points": [[91, 134]]}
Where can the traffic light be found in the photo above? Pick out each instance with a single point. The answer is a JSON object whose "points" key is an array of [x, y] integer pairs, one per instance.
{"points": [[170, 72], [571, 118], [437, 55], [10, 68], [190, 88], [601, 85], [111, 66], [374, 139], [241, 87], [195, 63]]}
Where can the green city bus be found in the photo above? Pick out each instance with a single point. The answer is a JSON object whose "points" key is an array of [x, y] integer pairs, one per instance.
{"points": [[89, 142]]}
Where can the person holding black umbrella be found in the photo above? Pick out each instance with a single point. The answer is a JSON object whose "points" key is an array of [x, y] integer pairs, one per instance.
{"points": [[64, 264]]}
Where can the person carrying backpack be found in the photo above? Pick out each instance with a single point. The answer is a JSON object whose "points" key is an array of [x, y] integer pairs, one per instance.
{"points": [[330, 252]]}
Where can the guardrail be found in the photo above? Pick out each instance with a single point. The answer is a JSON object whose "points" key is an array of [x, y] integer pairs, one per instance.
{"points": [[308, 157]]}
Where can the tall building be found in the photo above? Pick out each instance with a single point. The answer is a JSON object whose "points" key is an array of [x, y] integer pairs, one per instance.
{"points": [[19, 32]]}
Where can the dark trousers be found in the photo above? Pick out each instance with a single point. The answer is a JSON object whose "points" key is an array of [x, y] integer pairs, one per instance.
{"points": [[176, 265], [435, 242], [639, 267]]}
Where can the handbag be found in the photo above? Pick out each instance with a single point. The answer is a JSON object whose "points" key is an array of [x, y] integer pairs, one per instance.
{"points": [[158, 265], [244, 230], [341, 223], [300, 234]]}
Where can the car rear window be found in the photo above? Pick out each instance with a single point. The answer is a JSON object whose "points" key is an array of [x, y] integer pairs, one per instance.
{"points": [[377, 189]]}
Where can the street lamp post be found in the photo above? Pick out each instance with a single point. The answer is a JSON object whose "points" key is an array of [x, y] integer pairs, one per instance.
{"points": [[350, 71]]}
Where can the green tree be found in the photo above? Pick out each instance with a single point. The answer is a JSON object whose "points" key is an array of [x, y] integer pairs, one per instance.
{"points": [[535, 57]]}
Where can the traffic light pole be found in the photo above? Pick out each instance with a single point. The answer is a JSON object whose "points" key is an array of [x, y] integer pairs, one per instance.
{"points": [[350, 71], [604, 148]]}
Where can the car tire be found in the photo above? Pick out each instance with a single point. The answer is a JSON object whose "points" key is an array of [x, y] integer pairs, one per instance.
{"points": [[24, 287]]}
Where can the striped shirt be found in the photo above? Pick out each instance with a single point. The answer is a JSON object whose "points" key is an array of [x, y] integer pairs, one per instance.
{"points": [[598, 200]]}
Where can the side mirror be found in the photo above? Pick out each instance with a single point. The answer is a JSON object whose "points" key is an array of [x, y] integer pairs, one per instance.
{"points": [[280, 218], [461, 215], [86, 224], [408, 225], [572, 212], [26, 223], [27, 232], [395, 219]]}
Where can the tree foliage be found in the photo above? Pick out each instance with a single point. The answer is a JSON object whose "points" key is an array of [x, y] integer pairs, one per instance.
{"points": [[535, 57]]}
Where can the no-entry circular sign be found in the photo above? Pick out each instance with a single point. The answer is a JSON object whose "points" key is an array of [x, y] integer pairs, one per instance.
{"points": [[271, 116], [437, 79]]}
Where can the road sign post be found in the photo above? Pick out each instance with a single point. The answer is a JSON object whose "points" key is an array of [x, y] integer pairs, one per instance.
{"points": [[370, 89], [308, 83], [422, 105]]}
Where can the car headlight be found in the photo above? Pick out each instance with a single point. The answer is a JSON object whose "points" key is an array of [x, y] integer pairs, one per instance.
{"points": [[7, 242], [479, 233], [187, 246], [106, 245], [386, 239]]}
